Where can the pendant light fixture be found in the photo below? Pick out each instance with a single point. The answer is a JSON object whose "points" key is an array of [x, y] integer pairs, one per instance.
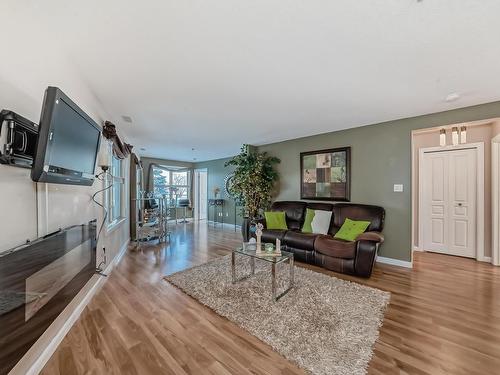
{"points": [[463, 134], [454, 136], [442, 137]]}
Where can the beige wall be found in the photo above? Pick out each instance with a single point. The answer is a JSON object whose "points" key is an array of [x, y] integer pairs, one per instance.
{"points": [[430, 138]]}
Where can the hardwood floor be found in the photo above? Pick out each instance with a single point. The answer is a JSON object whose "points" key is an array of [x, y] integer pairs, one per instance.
{"points": [[444, 318]]}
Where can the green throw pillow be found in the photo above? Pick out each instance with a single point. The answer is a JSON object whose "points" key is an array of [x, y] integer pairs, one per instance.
{"points": [[351, 229], [275, 220], [307, 227]]}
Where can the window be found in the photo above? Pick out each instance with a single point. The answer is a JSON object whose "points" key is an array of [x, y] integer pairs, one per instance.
{"points": [[172, 183], [115, 193]]}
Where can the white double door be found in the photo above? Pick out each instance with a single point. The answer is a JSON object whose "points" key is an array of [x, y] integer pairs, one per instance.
{"points": [[449, 201]]}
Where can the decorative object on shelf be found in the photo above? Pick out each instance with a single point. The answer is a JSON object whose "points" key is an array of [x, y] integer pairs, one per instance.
{"points": [[463, 134], [258, 235], [216, 191], [326, 174], [253, 182], [442, 137], [454, 136]]}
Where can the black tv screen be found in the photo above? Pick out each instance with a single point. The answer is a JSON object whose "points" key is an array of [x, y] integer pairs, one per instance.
{"points": [[68, 142]]}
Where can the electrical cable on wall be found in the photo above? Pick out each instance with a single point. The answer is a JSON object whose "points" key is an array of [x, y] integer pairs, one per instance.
{"points": [[102, 177]]}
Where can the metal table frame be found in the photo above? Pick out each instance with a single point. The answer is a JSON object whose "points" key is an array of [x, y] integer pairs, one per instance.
{"points": [[287, 257]]}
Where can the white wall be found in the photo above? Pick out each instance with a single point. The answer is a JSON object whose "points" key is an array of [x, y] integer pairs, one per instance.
{"points": [[29, 63]]}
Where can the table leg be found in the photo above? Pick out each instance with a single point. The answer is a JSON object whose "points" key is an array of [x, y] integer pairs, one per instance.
{"points": [[252, 266], [273, 268], [292, 276], [233, 268]]}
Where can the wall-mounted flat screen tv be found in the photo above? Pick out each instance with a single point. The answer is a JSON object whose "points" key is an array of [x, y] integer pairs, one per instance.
{"points": [[68, 142]]}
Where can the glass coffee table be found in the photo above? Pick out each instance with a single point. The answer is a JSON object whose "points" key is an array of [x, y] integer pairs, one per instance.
{"points": [[273, 259]]}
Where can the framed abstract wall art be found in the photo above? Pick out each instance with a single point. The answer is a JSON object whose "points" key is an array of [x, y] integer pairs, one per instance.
{"points": [[326, 174]]}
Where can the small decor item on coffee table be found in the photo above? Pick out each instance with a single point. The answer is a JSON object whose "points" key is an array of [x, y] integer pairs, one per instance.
{"points": [[273, 258], [258, 235]]}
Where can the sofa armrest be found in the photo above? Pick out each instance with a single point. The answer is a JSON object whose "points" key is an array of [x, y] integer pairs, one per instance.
{"points": [[365, 257], [247, 233], [371, 236]]}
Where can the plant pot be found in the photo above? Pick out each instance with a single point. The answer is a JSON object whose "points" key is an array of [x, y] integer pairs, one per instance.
{"points": [[245, 228]]}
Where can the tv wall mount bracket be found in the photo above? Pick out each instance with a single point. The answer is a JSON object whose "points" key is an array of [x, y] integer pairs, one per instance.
{"points": [[18, 138]]}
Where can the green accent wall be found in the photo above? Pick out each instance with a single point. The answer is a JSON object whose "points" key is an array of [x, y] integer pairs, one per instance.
{"points": [[216, 174], [381, 157]]}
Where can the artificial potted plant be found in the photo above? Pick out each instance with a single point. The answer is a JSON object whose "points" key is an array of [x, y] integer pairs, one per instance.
{"points": [[253, 183]]}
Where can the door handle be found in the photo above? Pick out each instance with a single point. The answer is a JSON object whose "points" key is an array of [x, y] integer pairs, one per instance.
{"points": [[459, 204]]}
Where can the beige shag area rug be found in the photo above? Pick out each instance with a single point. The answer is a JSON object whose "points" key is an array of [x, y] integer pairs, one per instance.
{"points": [[325, 325]]}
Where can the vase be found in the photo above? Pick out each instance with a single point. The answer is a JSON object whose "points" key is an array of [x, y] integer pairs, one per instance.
{"points": [[245, 228]]}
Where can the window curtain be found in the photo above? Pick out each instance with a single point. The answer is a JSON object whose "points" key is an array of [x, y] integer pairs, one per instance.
{"points": [[120, 149], [150, 182]]}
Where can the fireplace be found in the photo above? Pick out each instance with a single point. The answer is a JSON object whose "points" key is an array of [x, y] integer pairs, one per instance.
{"points": [[37, 281]]}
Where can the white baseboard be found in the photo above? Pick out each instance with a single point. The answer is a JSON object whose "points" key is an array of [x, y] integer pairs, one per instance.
{"points": [[485, 259], [394, 262], [416, 248], [211, 222], [37, 365]]}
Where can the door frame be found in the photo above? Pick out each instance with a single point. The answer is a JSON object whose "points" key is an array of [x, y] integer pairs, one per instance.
{"points": [[196, 213], [495, 200], [479, 146]]}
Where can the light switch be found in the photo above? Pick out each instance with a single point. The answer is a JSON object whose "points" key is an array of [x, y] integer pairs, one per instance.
{"points": [[398, 188]]}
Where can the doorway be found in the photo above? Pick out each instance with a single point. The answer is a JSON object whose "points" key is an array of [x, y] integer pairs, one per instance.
{"points": [[451, 200], [200, 194]]}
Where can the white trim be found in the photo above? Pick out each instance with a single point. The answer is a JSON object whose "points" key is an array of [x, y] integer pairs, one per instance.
{"points": [[111, 227], [224, 224], [417, 248], [485, 259], [394, 262], [49, 349], [479, 146], [469, 124], [495, 201]]}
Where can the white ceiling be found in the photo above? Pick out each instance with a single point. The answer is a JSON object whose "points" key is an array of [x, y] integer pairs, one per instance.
{"points": [[212, 75]]}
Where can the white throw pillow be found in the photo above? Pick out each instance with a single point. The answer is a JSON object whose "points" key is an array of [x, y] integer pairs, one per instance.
{"points": [[321, 221]]}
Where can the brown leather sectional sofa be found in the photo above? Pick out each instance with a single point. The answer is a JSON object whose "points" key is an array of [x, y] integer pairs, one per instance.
{"points": [[355, 258]]}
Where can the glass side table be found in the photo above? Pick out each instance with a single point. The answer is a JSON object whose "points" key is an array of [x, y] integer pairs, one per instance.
{"points": [[267, 257]]}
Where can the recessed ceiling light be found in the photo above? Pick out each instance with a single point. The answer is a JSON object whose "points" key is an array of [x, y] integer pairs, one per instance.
{"points": [[452, 97], [192, 149], [194, 158], [143, 149], [127, 119]]}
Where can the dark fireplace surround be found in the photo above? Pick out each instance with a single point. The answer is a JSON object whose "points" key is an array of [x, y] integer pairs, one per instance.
{"points": [[37, 281]]}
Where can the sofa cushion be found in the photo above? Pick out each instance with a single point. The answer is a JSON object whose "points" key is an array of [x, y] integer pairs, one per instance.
{"points": [[275, 220], [300, 240], [321, 221], [374, 214], [327, 245], [270, 235], [351, 229], [295, 212]]}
